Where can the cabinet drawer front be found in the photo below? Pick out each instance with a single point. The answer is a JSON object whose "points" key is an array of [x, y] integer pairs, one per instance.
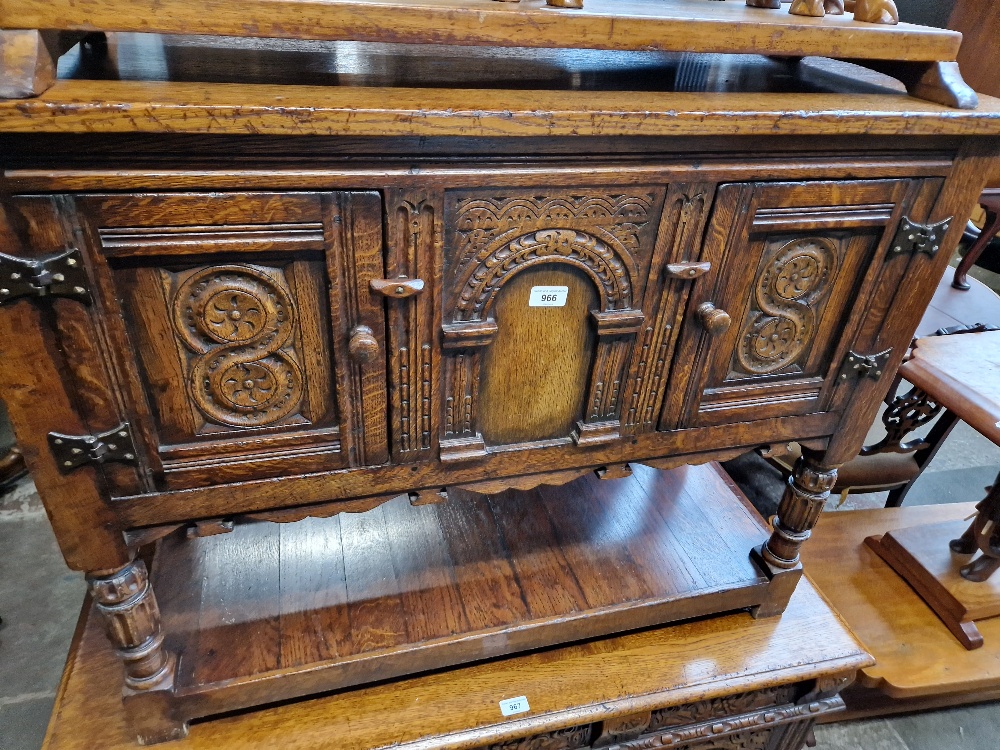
{"points": [[230, 317], [793, 267]]}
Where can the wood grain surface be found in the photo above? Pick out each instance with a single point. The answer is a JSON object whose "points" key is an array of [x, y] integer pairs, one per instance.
{"points": [[916, 655], [89, 107], [457, 709], [330, 603], [602, 24], [961, 373]]}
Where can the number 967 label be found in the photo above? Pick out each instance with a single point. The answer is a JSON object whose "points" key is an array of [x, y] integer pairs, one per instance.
{"points": [[513, 706]]}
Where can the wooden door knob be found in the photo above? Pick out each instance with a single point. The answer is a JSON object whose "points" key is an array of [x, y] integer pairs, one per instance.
{"points": [[363, 345], [716, 321], [397, 288]]}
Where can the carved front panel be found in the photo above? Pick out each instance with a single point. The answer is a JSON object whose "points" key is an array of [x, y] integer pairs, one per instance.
{"points": [[605, 241], [241, 365], [238, 311], [793, 268]]}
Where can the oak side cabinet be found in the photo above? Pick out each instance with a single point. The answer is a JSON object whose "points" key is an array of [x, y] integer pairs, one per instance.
{"points": [[220, 310]]}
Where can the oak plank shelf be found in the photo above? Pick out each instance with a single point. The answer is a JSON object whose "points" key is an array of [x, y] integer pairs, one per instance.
{"points": [[647, 684], [325, 604]]}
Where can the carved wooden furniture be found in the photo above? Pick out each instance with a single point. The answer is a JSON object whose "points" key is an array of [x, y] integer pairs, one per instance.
{"points": [[894, 463], [239, 302], [12, 466], [893, 622], [924, 59], [726, 683]]}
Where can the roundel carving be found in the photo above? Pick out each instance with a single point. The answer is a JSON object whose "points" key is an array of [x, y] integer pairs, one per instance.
{"points": [[236, 319], [784, 322]]}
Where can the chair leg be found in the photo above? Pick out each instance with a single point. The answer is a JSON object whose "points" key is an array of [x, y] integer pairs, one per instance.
{"points": [[990, 230]]}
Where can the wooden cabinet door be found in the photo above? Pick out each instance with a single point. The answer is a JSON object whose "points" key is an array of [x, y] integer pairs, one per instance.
{"points": [[544, 291], [794, 266], [230, 319]]}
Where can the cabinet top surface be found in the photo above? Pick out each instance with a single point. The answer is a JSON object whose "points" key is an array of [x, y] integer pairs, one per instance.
{"points": [[678, 25], [224, 85]]}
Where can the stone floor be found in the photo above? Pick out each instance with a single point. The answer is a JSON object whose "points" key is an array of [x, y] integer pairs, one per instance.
{"points": [[40, 600]]}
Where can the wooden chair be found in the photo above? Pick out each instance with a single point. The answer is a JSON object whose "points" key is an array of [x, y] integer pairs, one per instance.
{"points": [[990, 201], [894, 463]]}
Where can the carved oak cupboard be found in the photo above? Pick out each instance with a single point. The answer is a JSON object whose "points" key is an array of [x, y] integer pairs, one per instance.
{"points": [[234, 304]]}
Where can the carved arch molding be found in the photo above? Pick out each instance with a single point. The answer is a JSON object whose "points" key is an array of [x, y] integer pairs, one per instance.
{"points": [[609, 237]]}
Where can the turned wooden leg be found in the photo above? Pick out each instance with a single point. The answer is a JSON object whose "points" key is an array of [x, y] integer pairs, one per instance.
{"points": [[131, 615], [990, 230], [806, 494], [876, 11], [11, 466]]}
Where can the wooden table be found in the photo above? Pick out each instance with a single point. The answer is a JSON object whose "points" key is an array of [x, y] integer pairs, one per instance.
{"points": [[962, 373], [580, 696], [919, 664]]}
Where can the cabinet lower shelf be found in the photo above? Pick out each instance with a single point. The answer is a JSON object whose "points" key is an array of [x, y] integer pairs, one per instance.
{"points": [[271, 612]]}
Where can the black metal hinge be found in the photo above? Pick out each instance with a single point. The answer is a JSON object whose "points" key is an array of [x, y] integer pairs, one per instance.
{"points": [[74, 451], [859, 366], [60, 275], [919, 238]]}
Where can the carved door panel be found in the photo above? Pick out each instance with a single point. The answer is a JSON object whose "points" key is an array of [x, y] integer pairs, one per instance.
{"points": [[793, 270], [544, 292], [243, 327]]}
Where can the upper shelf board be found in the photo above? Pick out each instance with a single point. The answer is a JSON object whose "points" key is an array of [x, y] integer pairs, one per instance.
{"points": [[656, 25]]}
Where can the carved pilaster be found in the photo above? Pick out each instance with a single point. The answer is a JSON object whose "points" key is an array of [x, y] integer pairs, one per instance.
{"points": [[132, 618], [411, 237], [682, 221], [807, 492]]}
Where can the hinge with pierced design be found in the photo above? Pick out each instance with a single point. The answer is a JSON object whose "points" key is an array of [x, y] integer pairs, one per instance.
{"points": [[860, 366], [919, 238], [59, 275], [73, 451]]}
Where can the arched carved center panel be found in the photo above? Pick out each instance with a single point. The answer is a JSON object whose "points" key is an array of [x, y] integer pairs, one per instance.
{"points": [[793, 279], [237, 319], [607, 268]]}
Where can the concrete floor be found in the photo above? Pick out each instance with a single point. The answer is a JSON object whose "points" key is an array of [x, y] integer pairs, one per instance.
{"points": [[40, 600]]}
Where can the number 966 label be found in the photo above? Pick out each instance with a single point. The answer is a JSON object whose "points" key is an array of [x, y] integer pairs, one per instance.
{"points": [[548, 296]]}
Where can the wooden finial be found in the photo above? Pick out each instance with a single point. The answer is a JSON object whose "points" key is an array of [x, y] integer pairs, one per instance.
{"points": [[876, 11]]}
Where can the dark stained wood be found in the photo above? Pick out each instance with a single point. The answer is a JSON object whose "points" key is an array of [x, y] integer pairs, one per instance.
{"points": [[641, 672], [979, 24], [231, 223], [336, 602], [990, 201]]}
